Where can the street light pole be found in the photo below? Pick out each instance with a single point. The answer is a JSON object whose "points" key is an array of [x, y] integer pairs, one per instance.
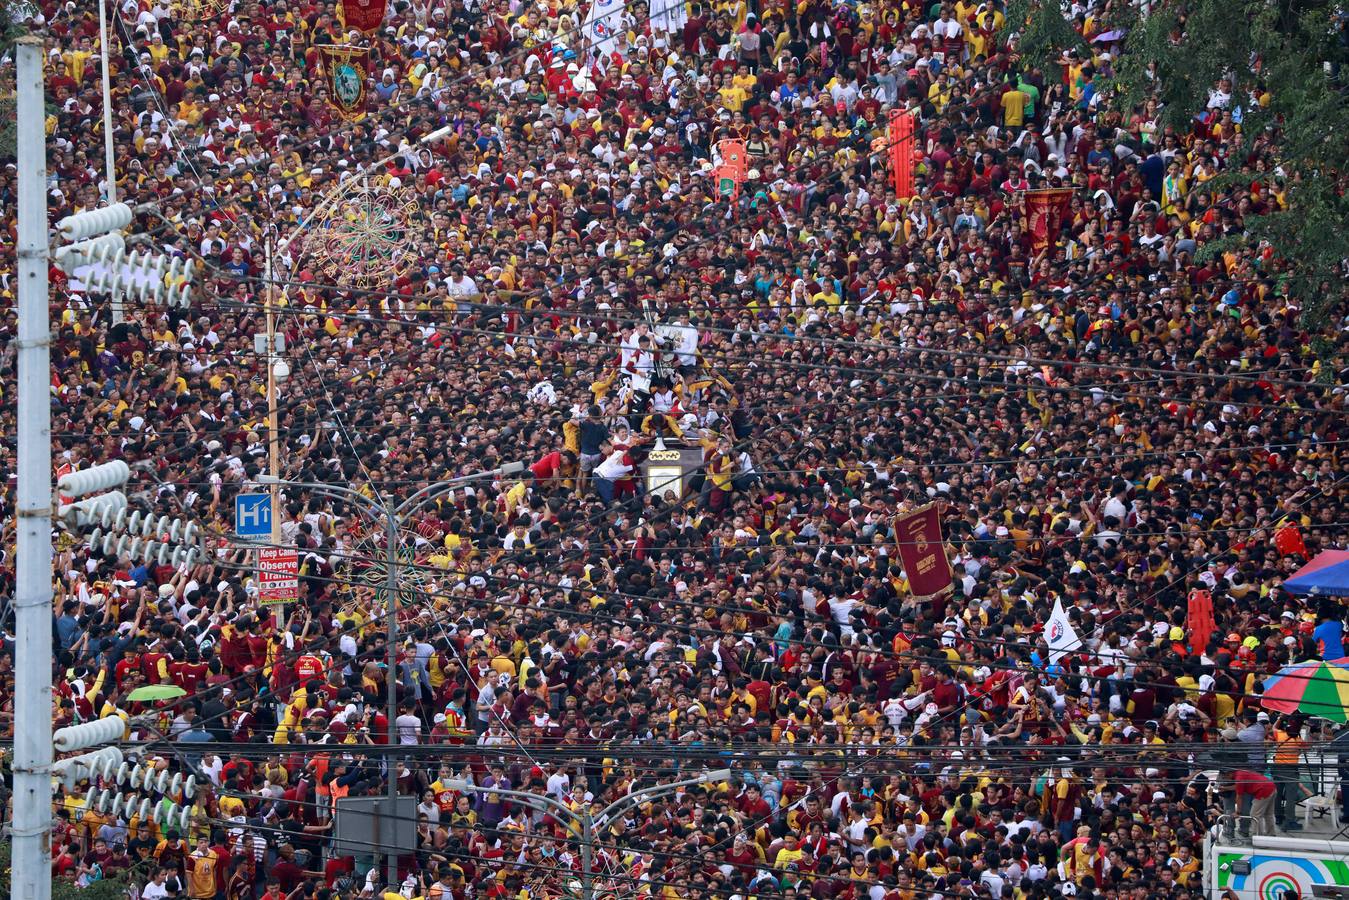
{"points": [[393, 763], [109, 157], [391, 518], [273, 458], [109, 163], [31, 826], [588, 821]]}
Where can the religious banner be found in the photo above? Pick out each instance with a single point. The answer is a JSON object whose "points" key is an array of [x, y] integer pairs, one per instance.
{"points": [[902, 147], [347, 69], [733, 169], [1045, 213], [922, 552], [362, 15]]}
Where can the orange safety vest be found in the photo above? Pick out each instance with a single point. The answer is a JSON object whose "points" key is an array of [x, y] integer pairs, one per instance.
{"points": [[1288, 749]]}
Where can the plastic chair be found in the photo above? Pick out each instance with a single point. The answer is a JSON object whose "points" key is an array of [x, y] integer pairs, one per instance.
{"points": [[1324, 801]]}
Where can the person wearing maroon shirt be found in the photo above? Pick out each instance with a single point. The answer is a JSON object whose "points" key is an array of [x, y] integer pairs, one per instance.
{"points": [[284, 677], [742, 855], [946, 693], [256, 641], [752, 804], [285, 870], [188, 671]]}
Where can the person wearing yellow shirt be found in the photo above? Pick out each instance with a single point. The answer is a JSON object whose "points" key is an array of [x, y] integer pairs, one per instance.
{"points": [[76, 58], [503, 664], [299, 702], [789, 852], [939, 94], [188, 109], [744, 79], [1014, 105], [202, 867], [828, 295], [159, 51], [230, 806], [733, 97], [1074, 75], [92, 821]]}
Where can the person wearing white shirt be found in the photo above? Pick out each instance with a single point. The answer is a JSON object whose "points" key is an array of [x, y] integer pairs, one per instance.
{"points": [[617, 464], [559, 784], [409, 729], [156, 888], [459, 284], [946, 28]]}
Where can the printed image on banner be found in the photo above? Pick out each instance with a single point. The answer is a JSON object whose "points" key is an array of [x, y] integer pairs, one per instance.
{"points": [[346, 69], [923, 552], [1045, 213]]}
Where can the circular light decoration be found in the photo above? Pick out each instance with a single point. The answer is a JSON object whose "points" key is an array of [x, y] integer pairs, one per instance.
{"points": [[370, 570], [198, 10], [365, 239], [613, 879]]}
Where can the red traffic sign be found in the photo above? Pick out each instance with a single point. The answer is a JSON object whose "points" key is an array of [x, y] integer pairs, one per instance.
{"points": [[278, 575]]}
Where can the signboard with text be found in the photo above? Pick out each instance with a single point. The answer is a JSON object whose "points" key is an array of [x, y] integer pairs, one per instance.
{"points": [[253, 516], [278, 575]]}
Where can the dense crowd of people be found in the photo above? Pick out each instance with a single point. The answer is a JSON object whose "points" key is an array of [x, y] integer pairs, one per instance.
{"points": [[1113, 423]]}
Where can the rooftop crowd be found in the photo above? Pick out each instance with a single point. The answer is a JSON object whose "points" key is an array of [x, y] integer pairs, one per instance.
{"points": [[1111, 423]]}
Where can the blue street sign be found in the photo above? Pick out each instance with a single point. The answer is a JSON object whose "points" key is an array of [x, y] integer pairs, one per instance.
{"points": [[253, 515]]}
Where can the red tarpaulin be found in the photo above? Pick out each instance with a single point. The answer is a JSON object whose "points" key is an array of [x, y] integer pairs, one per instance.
{"points": [[922, 552]]}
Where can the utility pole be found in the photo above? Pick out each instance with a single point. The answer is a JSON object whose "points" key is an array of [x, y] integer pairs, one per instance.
{"points": [[392, 763], [109, 162], [273, 457], [31, 831]]}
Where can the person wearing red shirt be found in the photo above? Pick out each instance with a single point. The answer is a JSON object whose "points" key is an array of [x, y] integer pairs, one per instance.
{"points": [[555, 466], [188, 671], [155, 666], [1255, 798], [256, 641]]}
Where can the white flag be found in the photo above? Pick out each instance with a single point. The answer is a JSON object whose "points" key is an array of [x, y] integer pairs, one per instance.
{"points": [[1060, 634], [668, 16], [601, 25]]}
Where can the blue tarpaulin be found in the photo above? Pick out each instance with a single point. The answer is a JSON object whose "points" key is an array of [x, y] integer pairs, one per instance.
{"points": [[1327, 575]]}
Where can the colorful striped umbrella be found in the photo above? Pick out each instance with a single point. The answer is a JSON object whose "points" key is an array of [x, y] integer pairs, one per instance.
{"points": [[1314, 688]]}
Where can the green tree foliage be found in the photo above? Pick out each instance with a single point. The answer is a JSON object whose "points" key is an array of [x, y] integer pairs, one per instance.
{"points": [[9, 30], [1286, 65], [113, 888]]}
